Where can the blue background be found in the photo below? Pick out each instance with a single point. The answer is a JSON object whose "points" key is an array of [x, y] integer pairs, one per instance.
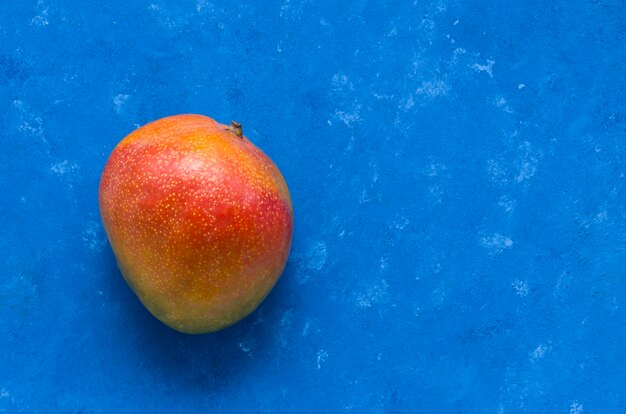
{"points": [[457, 173]]}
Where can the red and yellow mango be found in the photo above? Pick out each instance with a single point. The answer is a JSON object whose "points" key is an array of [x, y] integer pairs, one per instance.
{"points": [[200, 221]]}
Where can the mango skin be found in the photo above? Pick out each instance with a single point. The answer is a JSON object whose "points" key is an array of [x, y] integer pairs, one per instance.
{"points": [[200, 221]]}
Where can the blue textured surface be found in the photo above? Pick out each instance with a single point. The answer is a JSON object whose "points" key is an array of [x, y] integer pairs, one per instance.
{"points": [[457, 172]]}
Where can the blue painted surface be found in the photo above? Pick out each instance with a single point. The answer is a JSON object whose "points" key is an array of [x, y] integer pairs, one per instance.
{"points": [[457, 172]]}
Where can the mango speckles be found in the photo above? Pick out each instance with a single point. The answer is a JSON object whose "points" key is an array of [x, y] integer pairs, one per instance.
{"points": [[200, 221]]}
